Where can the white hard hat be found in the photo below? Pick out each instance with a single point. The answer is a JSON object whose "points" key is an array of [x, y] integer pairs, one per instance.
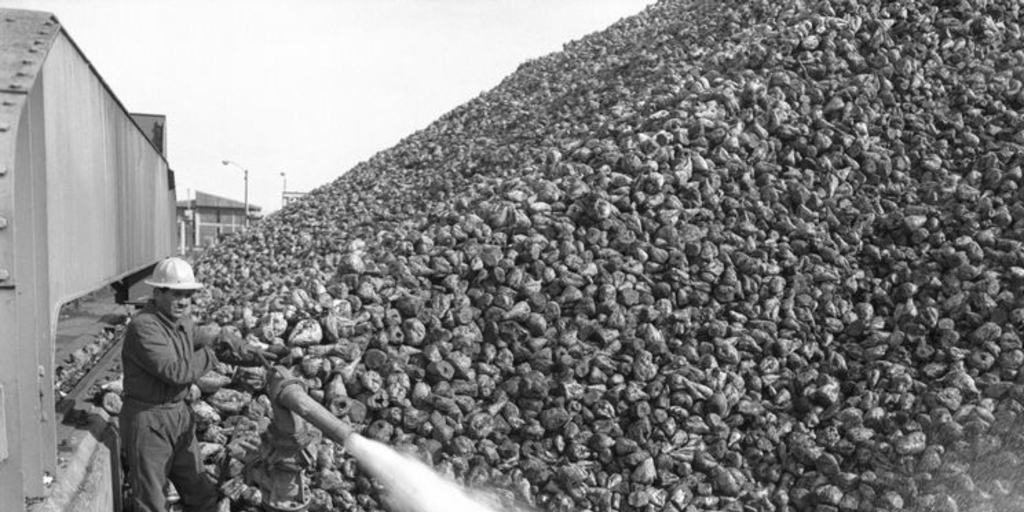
{"points": [[173, 273]]}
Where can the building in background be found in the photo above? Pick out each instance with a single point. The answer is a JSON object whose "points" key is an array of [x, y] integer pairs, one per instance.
{"points": [[206, 219], [288, 198]]}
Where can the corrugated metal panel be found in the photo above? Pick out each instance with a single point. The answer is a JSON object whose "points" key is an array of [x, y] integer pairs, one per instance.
{"points": [[105, 180]]}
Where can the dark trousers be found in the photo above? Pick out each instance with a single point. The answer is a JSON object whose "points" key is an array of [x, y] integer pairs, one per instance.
{"points": [[160, 444]]}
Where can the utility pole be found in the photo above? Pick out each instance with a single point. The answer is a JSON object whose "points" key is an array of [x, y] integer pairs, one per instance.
{"points": [[246, 171]]}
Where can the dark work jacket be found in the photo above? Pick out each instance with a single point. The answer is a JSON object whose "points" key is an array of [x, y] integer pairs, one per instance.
{"points": [[158, 359]]}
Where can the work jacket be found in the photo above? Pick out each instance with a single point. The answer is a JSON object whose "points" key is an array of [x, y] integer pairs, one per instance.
{"points": [[159, 360]]}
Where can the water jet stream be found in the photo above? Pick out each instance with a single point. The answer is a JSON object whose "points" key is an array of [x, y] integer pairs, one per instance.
{"points": [[410, 485]]}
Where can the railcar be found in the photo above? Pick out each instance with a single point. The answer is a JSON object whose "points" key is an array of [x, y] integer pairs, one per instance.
{"points": [[86, 201]]}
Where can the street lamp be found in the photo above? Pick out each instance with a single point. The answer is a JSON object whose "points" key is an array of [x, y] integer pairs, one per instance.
{"points": [[284, 188], [226, 162]]}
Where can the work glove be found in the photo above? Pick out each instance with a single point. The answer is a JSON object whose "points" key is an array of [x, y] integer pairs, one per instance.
{"points": [[233, 349], [206, 336]]}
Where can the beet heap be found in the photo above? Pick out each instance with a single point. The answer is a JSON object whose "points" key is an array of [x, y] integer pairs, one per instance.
{"points": [[724, 255]]}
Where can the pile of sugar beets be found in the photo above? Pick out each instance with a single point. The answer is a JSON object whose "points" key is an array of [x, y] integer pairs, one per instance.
{"points": [[724, 255]]}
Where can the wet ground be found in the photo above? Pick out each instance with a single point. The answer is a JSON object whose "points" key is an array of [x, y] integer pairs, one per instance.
{"points": [[86, 355]]}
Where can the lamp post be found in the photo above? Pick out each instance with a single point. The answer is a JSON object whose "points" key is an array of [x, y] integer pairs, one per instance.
{"points": [[246, 171], [284, 189]]}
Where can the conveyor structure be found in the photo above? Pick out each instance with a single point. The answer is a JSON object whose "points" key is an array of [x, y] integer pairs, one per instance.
{"points": [[86, 201]]}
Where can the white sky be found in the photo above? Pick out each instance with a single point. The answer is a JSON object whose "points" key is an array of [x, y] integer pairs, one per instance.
{"points": [[308, 87]]}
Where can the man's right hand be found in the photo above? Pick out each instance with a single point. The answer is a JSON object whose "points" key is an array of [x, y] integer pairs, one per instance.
{"points": [[255, 356], [233, 349]]}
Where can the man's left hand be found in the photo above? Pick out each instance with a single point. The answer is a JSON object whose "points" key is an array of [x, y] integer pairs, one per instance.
{"points": [[206, 336]]}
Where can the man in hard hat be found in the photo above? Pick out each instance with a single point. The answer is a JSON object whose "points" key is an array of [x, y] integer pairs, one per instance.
{"points": [[162, 357]]}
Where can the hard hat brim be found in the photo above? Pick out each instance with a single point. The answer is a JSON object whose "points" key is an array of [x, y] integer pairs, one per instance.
{"points": [[174, 286]]}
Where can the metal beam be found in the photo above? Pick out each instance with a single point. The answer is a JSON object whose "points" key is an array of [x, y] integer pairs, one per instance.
{"points": [[79, 209]]}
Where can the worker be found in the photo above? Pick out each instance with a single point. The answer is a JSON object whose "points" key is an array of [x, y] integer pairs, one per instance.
{"points": [[162, 356]]}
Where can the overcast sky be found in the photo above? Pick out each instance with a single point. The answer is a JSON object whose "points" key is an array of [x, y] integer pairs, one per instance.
{"points": [[309, 88]]}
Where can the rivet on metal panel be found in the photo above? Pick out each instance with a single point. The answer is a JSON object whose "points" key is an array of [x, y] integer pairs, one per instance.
{"points": [[3, 223], [4, 127], [3, 172], [4, 274]]}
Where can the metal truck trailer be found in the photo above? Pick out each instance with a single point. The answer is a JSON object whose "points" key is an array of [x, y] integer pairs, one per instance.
{"points": [[86, 201]]}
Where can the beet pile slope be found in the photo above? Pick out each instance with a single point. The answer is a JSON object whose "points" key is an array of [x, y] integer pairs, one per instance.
{"points": [[721, 254]]}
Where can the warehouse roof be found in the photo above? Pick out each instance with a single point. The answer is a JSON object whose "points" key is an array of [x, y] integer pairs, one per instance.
{"points": [[204, 200]]}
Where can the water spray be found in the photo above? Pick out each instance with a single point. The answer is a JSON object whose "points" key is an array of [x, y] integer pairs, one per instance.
{"points": [[410, 485]]}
